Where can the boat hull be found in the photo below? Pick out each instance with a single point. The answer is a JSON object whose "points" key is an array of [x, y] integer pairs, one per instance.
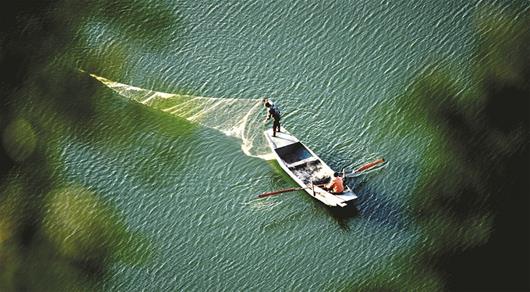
{"points": [[306, 168]]}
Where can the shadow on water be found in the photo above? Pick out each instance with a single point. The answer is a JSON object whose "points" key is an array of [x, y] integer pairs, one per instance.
{"points": [[375, 208], [370, 205], [341, 215]]}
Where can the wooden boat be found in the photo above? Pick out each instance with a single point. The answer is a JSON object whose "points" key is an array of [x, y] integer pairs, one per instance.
{"points": [[306, 168]]}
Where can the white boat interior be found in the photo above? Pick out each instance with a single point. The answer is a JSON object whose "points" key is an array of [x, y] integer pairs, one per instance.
{"points": [[306, 168]]}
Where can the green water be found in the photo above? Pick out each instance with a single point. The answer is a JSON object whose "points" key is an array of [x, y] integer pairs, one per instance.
{"points": [[335, 68]]}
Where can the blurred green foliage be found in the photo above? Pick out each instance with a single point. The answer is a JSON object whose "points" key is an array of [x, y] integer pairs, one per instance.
{"points": [[19, 139], [472, 201], [57, 237]]}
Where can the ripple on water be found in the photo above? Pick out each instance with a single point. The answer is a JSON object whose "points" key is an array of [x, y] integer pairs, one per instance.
{"points": [[335, 69]]}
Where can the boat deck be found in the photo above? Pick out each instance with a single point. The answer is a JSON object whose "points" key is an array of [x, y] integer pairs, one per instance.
{"points": [[306, 168], [282, 138]]}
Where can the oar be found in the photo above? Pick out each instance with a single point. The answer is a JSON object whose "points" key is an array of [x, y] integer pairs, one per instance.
{"points": [[369, 165], [268, 194]]}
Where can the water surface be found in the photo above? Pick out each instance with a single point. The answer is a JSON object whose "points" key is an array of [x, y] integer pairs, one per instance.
{"points": [[335, 68]]}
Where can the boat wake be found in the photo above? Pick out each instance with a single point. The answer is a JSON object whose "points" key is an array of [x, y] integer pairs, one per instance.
{"points": [[239, 118]]}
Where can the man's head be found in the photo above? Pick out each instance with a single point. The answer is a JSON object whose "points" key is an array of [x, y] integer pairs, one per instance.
{"points": [[267, 104], [336, 174]]}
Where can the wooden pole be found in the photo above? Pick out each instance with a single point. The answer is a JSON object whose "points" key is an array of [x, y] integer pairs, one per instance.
{"points": [[268, 194]]}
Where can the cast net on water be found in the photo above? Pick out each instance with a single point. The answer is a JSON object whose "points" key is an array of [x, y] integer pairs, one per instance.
{"points": [[239, 118]]}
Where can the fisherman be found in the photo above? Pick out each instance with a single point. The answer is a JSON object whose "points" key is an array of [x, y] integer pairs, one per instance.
{"points": [[267, 100], [274, 112], [336, 185]]}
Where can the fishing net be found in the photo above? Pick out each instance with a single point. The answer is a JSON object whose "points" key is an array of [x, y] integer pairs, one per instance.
{"points": [[239, 118]]}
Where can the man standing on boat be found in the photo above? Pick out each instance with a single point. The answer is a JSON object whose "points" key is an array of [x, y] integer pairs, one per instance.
{"points": [[274, 112], [267, 100], [336, 185]]}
